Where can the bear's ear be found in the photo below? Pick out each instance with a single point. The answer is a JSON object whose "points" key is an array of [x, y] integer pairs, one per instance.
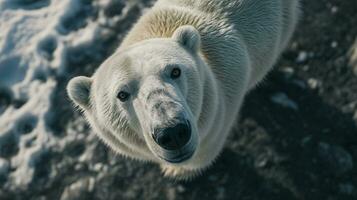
{"points": [[78, 90], [188, 36]]}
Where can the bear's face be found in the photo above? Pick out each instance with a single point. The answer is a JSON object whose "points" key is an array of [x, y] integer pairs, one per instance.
{"points": [[149, 95]]}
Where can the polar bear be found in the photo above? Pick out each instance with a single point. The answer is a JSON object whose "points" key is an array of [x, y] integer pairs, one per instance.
{"points": [[171, 92]]}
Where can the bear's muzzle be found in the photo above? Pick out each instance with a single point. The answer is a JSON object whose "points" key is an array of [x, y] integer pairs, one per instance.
{"points": [[175, 141]]}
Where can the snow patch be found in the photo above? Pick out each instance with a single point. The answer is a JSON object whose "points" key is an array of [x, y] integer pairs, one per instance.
{"points": [[37, 40]]}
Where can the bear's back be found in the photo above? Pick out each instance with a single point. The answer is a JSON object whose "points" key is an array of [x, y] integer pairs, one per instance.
{"points": [[264, 26]]}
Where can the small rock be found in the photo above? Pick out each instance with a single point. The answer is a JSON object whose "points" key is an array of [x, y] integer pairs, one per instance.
{"points": [[181, 189], [334, 9], [350, 107], [294, 45], [78, 190], [288, 71], [4, 167], [340, 62], [220, 193], [353, 57], [299, 83], [284, 100], [262, 161], [313, 83], [334, 44], [337, 159], [306, 141], [79, 167], [113, 162], [347, 189], [91, 184], [302, 57], [213, 178], [171, 194], [98, 167], [306, 67]]}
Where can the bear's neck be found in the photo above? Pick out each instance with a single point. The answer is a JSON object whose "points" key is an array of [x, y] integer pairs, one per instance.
{"points": [[161, 23]]}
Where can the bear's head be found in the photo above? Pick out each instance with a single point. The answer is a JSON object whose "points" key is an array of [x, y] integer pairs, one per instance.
{"points": [[149, 96]]}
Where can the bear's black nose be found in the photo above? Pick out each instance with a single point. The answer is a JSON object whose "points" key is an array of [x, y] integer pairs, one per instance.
{"points": [[174, 138]]}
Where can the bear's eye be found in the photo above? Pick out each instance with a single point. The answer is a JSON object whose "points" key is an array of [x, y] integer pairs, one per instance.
{"points": [[123, 96], [175, 73]]}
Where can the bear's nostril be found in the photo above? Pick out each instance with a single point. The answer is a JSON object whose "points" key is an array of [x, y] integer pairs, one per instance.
{"points": [[174, 138], [165, 140]]}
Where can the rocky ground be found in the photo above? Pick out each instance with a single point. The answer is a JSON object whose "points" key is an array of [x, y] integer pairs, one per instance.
{"points": [[296, 137]]}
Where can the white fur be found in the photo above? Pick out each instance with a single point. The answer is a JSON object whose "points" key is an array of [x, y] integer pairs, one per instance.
{"points": [[224, 48]]}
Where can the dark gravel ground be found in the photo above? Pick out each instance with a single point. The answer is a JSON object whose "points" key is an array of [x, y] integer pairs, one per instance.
{"points": [[296, 137]]}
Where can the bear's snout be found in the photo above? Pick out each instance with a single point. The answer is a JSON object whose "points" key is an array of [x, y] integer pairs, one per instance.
{"points": [[175, 137], [176, 142]]}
